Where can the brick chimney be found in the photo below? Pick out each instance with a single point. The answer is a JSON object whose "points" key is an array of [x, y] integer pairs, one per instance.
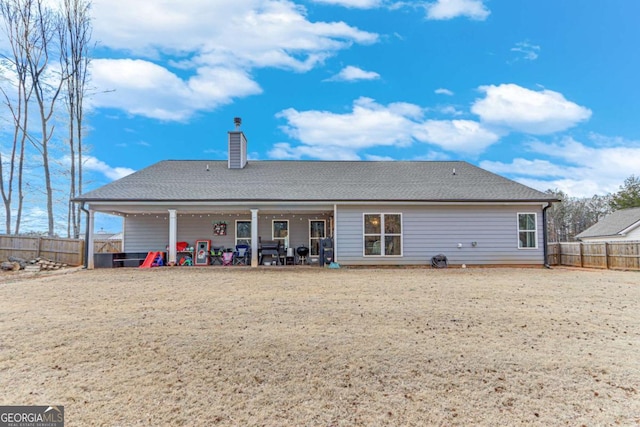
{"points": [[237, 147]]}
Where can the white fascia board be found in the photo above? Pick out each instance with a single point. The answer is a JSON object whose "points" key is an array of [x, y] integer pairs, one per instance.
{"points": [[117, 207], [630, 228]]}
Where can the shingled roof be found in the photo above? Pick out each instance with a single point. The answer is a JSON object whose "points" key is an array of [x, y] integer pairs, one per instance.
{"points": [[178, 180], [613, 224]]}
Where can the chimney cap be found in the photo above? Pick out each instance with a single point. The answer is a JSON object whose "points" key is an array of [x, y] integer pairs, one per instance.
{"points": [[237, 121]]}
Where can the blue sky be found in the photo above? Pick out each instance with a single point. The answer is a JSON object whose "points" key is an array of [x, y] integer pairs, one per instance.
{"points": [[542, 91]]}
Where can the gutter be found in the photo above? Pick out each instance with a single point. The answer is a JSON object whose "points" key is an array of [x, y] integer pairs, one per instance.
{"points": [[313, 201], [86, 237], [544, 235]]}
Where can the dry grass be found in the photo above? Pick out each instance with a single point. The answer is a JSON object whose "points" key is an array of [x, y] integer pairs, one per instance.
{"points": [[311, 347]]}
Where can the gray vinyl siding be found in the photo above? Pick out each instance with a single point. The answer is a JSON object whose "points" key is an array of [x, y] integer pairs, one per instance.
{"points": [[426, 231], [433, 230], [237, 150], [144, 233], [151, 232]]}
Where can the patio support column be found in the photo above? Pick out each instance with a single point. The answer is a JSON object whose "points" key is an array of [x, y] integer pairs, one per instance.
{"points": [[173, 235], [334, 232], [254, 237], [90, 225]]}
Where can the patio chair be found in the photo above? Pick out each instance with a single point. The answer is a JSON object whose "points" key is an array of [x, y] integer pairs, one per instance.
{"points": [[215, 255], [227, 258], [241, 255]]}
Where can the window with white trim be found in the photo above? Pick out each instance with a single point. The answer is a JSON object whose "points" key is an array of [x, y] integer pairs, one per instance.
{"points": [[243, 233], [280, 231], [527, 231], [382, 234]]}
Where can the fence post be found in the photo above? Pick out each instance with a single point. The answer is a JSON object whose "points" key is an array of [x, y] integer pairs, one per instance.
{"points": [[580, 251], [38, 244], [606, 255]]}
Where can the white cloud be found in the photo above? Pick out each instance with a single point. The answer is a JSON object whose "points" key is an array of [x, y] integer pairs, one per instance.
{"points": [[603, 162], [325, 134], [526, 167], [372, 4], [212, 46], [581, 171], [351, 73], [93, 164], [523, 110], [34, 218], [457, 135], [356, 4], [273, 33], [143, 88], [449, 9], [375, 158], [369, 124], [443, 91], [285, 151], [449, 110], [526, 51]]}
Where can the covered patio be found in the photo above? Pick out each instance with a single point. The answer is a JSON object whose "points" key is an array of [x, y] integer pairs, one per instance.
{"points": [[161, 228]]}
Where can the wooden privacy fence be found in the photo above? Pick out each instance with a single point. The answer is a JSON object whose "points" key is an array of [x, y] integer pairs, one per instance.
{"points": [[612, 255], [66, 251], [608, 255], [106, 245]]}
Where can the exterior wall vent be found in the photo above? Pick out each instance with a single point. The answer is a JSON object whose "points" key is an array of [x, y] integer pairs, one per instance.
{"points": [[237, 147]]}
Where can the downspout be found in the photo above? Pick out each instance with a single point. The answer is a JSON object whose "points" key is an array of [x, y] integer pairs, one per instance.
{"points": [[334, 233], [86, 237], [544, 235]]}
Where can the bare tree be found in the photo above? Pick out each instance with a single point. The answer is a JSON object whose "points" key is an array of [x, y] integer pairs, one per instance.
{"points": [[47, 61], [574, 215], [75, 39], [17, 92], [47, 84]]}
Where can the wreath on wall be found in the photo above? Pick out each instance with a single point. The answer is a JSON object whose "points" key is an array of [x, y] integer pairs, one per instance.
{"points": [[220, 228]]}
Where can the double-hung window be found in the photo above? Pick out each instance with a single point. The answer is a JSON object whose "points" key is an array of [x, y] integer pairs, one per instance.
{"points": [[527, 231], [280, 231], [382, 234], [243, 233]]}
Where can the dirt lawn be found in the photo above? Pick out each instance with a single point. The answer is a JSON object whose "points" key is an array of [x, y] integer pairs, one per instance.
{"points": [[311, 347]]}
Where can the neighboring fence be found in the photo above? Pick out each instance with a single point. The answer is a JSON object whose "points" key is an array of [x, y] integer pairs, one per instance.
{"points": [[607, 255], [611, 255], [67, 251], [106, 245]]}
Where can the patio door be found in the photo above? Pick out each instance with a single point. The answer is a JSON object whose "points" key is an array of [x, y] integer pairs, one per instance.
{"points": [[317, 231]]}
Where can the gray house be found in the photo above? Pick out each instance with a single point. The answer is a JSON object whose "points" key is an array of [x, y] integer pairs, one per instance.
{"points": [[619, 226], [377, 213]]}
